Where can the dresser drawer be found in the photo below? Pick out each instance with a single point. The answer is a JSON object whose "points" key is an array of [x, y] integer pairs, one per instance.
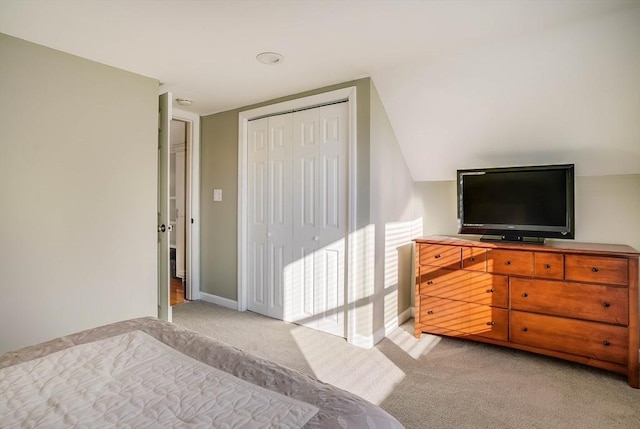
{"points": [[474, 259], [480, 288], [510, 262], [441, 256], [575, 300], [597, 269], [459, 318], [443, 282], [548, 265], [488, 289], [590, 339]]}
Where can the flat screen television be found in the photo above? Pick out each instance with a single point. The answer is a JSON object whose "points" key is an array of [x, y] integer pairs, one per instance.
{"points": [[528, 203]]}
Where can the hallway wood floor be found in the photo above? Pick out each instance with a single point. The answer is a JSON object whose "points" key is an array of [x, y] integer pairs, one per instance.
{"points": [[177, 292]]}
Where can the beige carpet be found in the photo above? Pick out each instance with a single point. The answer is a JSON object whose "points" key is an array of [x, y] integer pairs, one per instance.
{"points": [[434, 382]]}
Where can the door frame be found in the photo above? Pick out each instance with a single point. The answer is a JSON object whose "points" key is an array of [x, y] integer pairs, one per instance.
{"points": [[348, 93], [162, 190], [192, 202]]}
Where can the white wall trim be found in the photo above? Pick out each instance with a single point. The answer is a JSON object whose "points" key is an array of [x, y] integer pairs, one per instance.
{"points": [[352, 222], [218, 300], [364, 341], [243, 118], [405, 315], [368, 341], [192, 201], [392, 325]]}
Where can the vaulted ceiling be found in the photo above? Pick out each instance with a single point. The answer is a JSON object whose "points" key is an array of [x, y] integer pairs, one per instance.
{"points": [[444, 69]]}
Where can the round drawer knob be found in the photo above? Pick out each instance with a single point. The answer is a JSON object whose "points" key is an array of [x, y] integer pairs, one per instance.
{"points": [[430, 282], [430, 312], [547, 266], [492, 323], [438, 256], [490, 291], [524, 295], [472, 259], [525, 329], [606, 343], [595, 269], [606, 304], [508, 263]]}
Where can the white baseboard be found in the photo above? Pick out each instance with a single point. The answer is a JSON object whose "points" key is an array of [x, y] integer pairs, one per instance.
{"points": [[364, 341], [405, 315], [382, 332], [223, 302], [368, 341]]}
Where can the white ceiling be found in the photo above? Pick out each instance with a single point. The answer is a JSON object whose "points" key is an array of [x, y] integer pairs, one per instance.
{"points": [[205, 50]]}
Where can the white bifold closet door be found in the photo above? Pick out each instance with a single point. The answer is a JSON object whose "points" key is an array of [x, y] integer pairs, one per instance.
{"points": [[270, 212], [297, 216]]}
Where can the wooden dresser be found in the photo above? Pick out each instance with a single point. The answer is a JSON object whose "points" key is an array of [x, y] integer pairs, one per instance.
{"points": [[569, 300]]}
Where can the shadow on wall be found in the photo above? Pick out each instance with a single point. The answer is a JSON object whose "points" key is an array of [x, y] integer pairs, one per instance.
{"points": [[398, 271]]}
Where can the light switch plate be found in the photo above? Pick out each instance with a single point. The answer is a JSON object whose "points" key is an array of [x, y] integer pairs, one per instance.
{"points": [[217, 195]]}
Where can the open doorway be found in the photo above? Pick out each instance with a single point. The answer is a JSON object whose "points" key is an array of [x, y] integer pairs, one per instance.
{"points": [[177, 212], [183, 218]]}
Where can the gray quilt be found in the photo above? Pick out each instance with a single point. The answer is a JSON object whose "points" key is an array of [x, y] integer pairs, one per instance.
{"points": [[336, 408]]}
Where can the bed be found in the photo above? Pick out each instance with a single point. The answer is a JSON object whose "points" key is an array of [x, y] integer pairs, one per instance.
{"points": [[150, 373]]}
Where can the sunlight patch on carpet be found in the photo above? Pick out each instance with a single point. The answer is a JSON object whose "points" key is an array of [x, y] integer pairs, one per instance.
{"points": [[414, 347], [366, 372]]}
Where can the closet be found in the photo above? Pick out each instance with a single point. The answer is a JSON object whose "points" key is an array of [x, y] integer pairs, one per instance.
{"points": [[297, 171]]}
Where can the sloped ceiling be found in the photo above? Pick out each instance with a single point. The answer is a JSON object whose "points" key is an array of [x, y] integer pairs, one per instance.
{"points": [[465, 83]]}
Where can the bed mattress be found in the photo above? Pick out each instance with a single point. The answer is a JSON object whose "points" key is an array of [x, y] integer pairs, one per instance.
{"points": [[149, 373]]}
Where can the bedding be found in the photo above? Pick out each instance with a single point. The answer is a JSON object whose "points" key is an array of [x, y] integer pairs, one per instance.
{"points": [[149, 373]]}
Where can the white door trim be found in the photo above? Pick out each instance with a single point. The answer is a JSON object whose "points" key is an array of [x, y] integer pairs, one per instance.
{"points": [[192, 202], [348, 93]]}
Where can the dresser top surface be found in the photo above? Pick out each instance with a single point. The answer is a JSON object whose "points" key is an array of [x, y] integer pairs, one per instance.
{"points": [[566, 246]]}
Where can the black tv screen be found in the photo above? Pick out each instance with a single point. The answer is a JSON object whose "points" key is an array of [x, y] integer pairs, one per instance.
{"points": [[517, 202]]}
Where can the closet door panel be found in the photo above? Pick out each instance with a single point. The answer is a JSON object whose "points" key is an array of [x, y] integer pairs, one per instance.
{"points": [[305, 217], [329, 288], [257, 259], [332, 180], [277, 258], [279, 232], [257, 288], [300, 297], [332, 204]]}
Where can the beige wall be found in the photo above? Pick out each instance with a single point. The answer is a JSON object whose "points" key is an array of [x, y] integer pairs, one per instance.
{"points": [[393, 217], [78, 154], [219, 166], [219, 220], [607, 208]]}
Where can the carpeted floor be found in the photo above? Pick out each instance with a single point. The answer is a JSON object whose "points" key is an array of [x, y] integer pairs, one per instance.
{"points": [[434, 382]]}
